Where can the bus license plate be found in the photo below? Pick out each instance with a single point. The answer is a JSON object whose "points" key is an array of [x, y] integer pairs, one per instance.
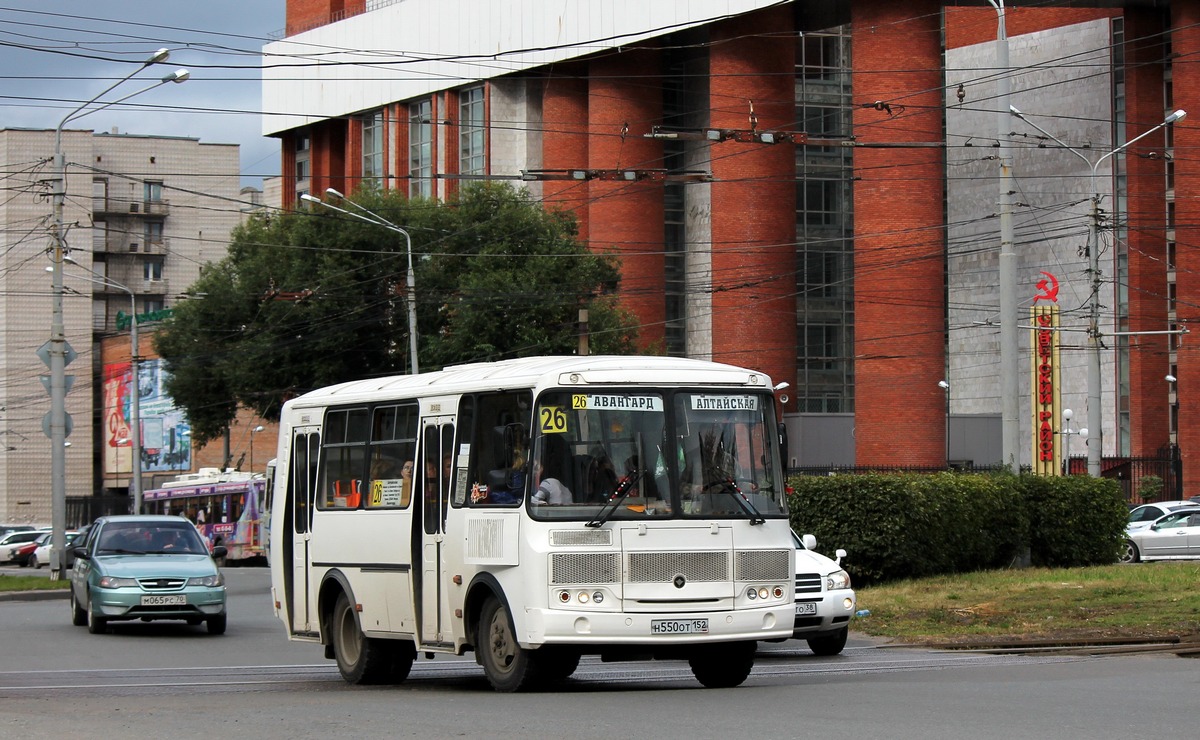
{"points": [[171, 600], [806, 608], [678, 626]]}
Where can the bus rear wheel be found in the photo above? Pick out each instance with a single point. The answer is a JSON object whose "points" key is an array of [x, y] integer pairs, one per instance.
{"points": [[724, 665], [360, 659], [508, 666]]}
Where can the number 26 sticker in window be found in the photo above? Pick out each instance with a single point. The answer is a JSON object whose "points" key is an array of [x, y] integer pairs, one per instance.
{"points": [[552, 419]]}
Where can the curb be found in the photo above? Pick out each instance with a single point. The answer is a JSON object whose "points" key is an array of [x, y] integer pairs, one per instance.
{"points": [[45, 594]]}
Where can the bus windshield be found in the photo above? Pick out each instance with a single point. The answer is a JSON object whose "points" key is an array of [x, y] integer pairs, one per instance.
{"points": [[684, 453]]}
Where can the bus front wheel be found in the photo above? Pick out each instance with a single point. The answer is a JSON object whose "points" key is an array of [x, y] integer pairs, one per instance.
{"points": [[360, 659], [724, 665], [508, 666]]}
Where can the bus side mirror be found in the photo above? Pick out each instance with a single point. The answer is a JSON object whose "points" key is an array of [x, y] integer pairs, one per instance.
{"points": [[783, 443]]}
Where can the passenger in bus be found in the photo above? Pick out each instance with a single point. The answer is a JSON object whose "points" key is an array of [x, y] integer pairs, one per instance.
{"points": [[550, 489], [406, 476], [601, 475]]}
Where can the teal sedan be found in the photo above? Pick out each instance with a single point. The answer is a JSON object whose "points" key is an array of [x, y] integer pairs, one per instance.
{"points": [[147, 567]]}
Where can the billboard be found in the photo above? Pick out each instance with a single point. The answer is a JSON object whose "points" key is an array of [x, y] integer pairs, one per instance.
{"points": [[166, 434]]}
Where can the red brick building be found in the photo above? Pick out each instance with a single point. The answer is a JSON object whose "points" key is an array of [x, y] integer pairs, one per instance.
{"points": [[804, 189]]}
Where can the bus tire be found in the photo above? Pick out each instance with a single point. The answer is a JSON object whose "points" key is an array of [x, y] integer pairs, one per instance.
{"points": [[508, 666], [724, 665], [402, 655], [556, 663], [360, 660]]}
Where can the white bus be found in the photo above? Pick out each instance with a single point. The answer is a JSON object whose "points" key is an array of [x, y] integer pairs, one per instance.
{"points": [[533, 511]]}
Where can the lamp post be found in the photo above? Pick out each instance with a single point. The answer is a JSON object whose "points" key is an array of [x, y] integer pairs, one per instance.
{"points": [[1095, 418], [58, 349], [1069, 432], [946, 387], [253, 432], [135, 416], [374, 218]]}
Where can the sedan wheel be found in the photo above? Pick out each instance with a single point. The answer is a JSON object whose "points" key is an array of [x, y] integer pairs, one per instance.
{"points": [[1129, 552], [79, 617], [33, 562], [97, 625]]}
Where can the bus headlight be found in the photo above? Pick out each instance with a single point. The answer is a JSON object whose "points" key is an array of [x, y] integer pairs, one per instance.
{"points": [[752, 593], [836, 580], [598, 597]]}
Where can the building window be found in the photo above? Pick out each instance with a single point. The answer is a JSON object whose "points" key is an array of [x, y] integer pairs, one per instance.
{"points": [[152, 191], [153, 232], [150, 305], [372, 148], [472, 159], [303, 161], [152, 269], [420, 149]]}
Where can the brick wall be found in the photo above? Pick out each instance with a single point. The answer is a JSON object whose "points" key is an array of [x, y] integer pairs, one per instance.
{"points": [[1185, 46], [1148, 357], [565, 140], [627, 217], [754, 196], [900, 412]]}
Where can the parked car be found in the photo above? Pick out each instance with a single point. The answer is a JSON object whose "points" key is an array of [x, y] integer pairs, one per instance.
{"points": [[1173, 536], [1145, 514], [824, 599], [7, 528], [13, 541], [22, 553], [146, 567], [41, 555]]}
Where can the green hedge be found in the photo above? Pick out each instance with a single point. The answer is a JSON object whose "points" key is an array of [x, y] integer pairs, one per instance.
{"points": [[911, 525]]}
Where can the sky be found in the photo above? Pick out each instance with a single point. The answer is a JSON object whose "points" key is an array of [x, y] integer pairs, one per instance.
{"points": [[57, 54]]}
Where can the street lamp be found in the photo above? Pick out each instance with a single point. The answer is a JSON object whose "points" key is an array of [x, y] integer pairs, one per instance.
{"points": [[253, 432], [946, 387], [135, 416], [57, 348], [1069, 432], [378, 220], [1095, 418]]}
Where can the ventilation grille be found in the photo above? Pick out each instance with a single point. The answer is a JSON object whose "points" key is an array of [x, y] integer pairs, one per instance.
{"points": [[761, 565], [808, 583], [162, 584], [569, 569], [662, 567], [484, 539], [562, 537]]}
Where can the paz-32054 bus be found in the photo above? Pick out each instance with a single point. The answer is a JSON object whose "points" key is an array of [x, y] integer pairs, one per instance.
{"points": [[534, 511]]}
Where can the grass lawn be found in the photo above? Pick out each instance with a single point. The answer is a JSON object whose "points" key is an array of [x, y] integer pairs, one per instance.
{"points": [[1114, 601], [30, 583]]}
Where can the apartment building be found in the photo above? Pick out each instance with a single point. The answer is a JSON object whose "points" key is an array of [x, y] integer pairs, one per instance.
{"points": [[143, 214]]}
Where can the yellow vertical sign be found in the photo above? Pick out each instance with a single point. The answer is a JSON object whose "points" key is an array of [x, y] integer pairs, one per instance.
{"points": [[1047, 446]]}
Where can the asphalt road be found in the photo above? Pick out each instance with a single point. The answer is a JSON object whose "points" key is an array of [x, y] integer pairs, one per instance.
{"points": [[170, 680]]}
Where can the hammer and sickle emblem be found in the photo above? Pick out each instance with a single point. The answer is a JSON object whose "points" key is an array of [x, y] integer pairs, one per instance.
{"points": [[1049, 289]]}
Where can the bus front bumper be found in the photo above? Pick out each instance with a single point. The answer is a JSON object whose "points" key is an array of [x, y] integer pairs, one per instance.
{"points": [[571, 627]]}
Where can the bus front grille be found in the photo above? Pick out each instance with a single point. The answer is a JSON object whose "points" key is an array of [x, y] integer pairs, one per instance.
{"points": [[662, 567], [762, 565], [569, 568]]}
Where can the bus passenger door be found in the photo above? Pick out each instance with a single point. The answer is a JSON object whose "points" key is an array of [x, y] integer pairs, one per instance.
{"points": [[301, 487], [437, 460]]}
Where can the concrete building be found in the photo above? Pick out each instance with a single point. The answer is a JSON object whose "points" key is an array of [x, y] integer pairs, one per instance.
{"points": [[143, 213], [842, 232]]}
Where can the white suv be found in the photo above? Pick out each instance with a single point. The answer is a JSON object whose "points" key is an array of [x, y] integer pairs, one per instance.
{"points": [[824, 600]]}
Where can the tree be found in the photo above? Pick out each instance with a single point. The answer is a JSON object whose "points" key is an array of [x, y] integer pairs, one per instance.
{"points": [[307, 299]]}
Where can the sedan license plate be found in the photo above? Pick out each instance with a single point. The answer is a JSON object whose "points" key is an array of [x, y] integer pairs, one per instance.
{"points": [[805, 608], [165, 600], [678, 626]]}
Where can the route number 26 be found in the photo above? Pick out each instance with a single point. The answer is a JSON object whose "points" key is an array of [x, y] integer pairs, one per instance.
{"points": [[553, 419]]}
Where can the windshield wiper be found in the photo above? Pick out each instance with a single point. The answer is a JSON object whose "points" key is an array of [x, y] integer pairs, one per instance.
{"points": [[730, 486], [623, 489]]}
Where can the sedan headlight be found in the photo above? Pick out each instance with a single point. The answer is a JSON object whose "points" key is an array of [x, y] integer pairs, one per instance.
{"points": [[217, 580], [837, 580], [114, 582]]}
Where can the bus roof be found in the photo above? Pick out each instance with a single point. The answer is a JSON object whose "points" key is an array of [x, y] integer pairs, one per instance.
{"points": [[591, 370]]}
